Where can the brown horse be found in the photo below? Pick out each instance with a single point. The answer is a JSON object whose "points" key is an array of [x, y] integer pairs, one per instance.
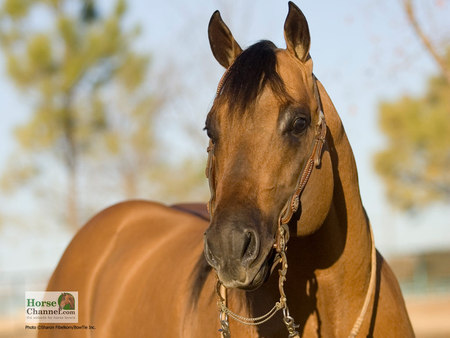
{"points": [[67, 299], [267, 129]]}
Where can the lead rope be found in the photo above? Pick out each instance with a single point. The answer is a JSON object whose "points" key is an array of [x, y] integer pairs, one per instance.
{"points": [[371, 289], [225, 313]]}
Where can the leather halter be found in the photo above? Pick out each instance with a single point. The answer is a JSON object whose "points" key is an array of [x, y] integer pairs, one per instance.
{"points": [[292, 204], [314, 159], [282, 234]]}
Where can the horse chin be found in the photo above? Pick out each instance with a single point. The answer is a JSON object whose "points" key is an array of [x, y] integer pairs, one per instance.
{"points": [[259, 278]]}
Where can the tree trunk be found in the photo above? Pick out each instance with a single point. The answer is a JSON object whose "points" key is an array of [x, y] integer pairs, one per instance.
{"points": [[441, 62], [71, 161], [72, 198]]}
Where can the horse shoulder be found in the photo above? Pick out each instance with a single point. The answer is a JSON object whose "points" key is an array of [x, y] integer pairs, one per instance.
{"points": [[391, 317]]}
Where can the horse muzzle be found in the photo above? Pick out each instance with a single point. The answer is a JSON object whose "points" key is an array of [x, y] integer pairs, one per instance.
{"points": [[239, 256]]}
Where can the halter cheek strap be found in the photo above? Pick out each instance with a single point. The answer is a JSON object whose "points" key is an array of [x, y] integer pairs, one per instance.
{"points": [[209, 172], [314, 160]]}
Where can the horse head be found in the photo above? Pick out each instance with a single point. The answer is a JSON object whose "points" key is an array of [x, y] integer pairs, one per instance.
{"points": [[262, 126], [67, 298]]}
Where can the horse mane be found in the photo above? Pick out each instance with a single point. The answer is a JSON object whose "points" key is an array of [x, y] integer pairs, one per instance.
{"points": [[248, 75]]}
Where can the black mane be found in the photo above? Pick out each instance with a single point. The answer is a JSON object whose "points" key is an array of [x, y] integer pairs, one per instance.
{"points": [[247, 76]]}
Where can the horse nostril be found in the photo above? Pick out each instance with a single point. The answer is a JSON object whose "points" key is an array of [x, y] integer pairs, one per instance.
{"points": [[250, 248]]}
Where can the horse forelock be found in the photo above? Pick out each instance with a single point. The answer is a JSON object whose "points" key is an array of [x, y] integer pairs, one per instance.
{"points": [[252, 70]]}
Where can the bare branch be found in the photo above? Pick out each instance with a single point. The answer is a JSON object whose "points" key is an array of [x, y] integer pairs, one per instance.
{"points": [[410, 14]]}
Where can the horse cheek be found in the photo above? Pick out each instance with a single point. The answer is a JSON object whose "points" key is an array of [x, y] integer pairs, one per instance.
{"points": [[317, 197]]}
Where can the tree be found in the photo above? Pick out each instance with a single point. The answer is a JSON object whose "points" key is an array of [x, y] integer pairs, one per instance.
{"points": [[416, 161], [63, 64], [408, 8], [95, 108]]}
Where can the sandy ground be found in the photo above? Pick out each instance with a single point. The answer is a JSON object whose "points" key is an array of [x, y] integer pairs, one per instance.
{"points": [[430, 316]]}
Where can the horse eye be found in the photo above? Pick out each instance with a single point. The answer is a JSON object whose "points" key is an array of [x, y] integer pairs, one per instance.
{"points": [[210, 135], [299, 125]]}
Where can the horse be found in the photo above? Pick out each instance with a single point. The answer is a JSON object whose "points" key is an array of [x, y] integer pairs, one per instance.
{"points": [[67, 300], [284, 196]]}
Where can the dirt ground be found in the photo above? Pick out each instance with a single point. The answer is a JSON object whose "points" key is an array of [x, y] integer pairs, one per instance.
{"points": [[430, 316]]}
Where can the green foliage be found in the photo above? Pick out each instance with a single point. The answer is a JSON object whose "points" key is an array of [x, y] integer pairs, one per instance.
{"points": [[58, 63], [92, 111], [415, 165], [66, 64], [16, 9], [132, 72]]}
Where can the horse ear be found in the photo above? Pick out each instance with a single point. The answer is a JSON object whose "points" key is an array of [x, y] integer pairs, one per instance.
{"points": [[296, 33], [224, 48]]}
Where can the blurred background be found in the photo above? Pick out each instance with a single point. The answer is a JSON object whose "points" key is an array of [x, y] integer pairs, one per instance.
{"points": [[103, 101]]}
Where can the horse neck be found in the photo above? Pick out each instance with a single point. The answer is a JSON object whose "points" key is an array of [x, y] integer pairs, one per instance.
{"points": [[336, 257], [347, 216]]}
